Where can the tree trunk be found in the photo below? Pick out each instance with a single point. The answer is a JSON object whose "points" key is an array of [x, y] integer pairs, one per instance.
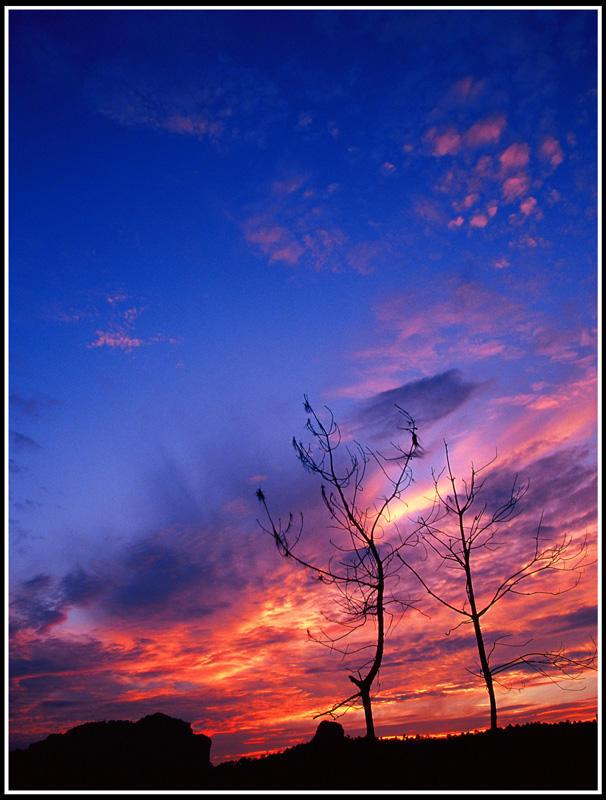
{"points": [[370, 726], [486, 673]]}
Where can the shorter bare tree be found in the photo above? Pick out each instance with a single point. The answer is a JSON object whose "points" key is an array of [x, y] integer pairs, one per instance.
{"points": [[459, 530], [362, 562]]}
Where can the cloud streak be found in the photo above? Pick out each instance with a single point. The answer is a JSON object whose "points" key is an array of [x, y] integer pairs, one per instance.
{"points": [[426, 400]]}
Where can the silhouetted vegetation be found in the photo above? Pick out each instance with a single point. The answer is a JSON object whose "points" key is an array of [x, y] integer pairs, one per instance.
{"points": [[159, 752], [363, 566], [527, 757]]}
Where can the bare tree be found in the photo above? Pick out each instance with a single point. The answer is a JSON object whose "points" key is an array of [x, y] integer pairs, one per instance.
{"points": [[460, 530], [363, 563]]}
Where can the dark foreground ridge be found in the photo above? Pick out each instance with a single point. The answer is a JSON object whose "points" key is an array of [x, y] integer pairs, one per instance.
{"points": [[159, 752]]}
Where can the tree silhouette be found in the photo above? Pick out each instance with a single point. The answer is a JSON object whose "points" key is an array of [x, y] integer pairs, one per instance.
{"points": [[460, 530], [361, 563]]}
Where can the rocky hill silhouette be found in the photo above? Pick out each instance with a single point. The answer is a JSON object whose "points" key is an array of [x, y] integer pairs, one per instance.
{"points": [[157, 752], [160, 752]]}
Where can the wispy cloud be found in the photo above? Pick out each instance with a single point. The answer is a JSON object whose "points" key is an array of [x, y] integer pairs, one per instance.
{"points": [[469, 322], [224, 104], [32, 406], [115, 339], [301, 230], [23, 442], [119, 333]]}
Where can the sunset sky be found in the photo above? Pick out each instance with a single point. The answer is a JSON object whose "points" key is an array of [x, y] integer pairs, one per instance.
{"points": [[214, 213]]}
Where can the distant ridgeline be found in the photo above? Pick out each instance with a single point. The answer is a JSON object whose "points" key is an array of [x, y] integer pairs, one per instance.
{"points": [[160, 752]]}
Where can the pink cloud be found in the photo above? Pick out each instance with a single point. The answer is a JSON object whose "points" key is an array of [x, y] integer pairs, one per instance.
{"points": [[528, 241], [266, 238], [274, 241], [533, 241], [289, 185], [551, 151], [324, 246], [516, 156], [466, 89], [361, 256], [388, 169], [117, 297], [501, 263], [529, 206], [131, 314], [449, 142], [470, 200], [289, 253], [469, 323], [443, 144], [485, 132], [116, 339], [456, 223], [484, 166], [515, 186], [194, 127], [479, 221]]}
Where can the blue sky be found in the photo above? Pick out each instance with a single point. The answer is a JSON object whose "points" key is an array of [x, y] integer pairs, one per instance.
{"points": [[213, 213]]}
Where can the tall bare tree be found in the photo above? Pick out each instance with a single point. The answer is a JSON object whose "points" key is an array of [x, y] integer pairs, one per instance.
{"points": [[460, 530], [362, 563]]}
